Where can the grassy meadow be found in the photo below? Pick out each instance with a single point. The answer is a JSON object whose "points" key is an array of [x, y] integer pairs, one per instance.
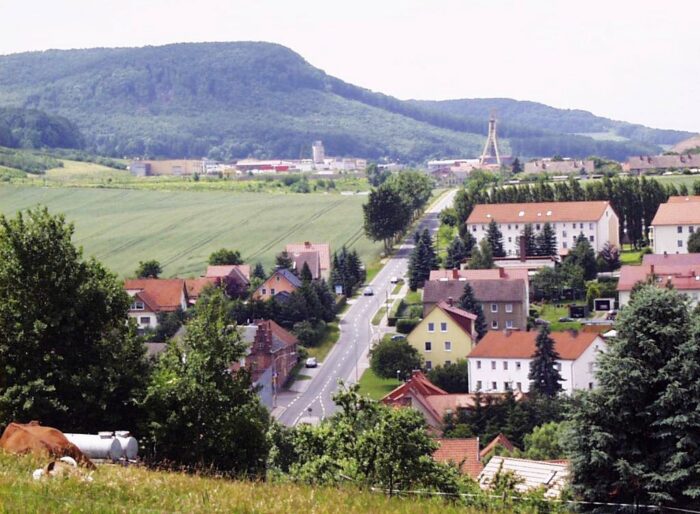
{"points": [[121, 227], [120, 489]]}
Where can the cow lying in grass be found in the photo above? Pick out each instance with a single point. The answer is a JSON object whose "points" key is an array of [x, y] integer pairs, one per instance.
{"points": [[43, 441]]}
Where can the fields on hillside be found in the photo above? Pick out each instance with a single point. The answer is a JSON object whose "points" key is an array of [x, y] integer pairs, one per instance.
{"points": [[181, 229]]}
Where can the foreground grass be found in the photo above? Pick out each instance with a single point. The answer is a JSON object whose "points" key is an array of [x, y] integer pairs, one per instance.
{"points": [[132, 489], [375, 387], [181, 229]]}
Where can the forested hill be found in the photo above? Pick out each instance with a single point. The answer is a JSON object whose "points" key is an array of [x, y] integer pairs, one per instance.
{"points": [[30, 128], [229, 100]]}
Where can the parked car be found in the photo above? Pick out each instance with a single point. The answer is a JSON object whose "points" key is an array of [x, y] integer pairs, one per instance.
{"points": [[368, 291], [311, 362], [394, 280], [540, 322], [564, 319], [398, 337]]}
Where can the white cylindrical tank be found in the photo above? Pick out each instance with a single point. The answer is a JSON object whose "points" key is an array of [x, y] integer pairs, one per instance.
{"points": [[100, 446], [130, 446]]}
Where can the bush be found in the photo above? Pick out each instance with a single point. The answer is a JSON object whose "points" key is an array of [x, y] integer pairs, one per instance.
{"points": [[406, 325]]}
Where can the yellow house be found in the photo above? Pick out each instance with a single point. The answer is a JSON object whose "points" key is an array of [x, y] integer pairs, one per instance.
{"points": [[445, 335]]}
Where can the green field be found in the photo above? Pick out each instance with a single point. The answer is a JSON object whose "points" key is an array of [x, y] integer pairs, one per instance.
{"points": [[181, 229]]}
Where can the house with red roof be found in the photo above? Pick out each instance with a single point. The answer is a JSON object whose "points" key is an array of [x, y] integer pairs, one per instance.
{"points": [[316, 255], [434, 403], [234, 278], [596, 220], [152, 296], [271, 357], [445, 335], [681, 272], [673, 224], [501, 361]]}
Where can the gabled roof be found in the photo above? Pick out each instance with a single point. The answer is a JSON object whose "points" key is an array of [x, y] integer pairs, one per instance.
{"points": [[291, 277], [645, 162], [677, 213], [507, 344], [464, 319], [195, 286], [684, 199], [498, 290], [239, 272], [479, 274], [553, 476], [683, 277], [462, 452], [323, 249], [540, 212], [499, 440], [672, 259], [161, 294], [418, 383], [312, 259]]}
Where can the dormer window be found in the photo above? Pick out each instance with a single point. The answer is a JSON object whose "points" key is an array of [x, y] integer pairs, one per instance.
{"points": [[137, 306]]}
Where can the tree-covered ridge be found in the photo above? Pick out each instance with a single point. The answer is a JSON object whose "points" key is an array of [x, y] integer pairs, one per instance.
{"points": [[233, 100], [31, 128]]}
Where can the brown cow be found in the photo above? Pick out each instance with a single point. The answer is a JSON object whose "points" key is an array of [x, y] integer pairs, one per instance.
{"points": [[33, 438]]}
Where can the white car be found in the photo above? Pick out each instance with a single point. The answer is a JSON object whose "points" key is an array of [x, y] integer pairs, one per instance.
{"points": [[368, 291], [394, 280], [311, 362]]}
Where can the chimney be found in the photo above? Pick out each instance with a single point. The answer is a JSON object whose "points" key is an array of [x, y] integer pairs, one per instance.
{"points": [[665, 254], [523, 249], [651, 269], [307, 244], [501, 273], [450, 301], [573, 332], [455, 273]]}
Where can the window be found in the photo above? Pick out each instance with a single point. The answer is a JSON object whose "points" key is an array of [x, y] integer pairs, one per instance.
{"points": [[508, 227], [506, 386], [431, 327], [516, 227], [509, 307], [137, 306], [563, 234], [494, 386], [478, 364], [272, 291], [590, 226], [448, 346], [509, 323], [473, 228], [591, 238], [447, 363], [264, 291], [537, 226], [518, 366], [680, 229], [591, 367], [145, 320], [493, 364], [680, 243], [519, 385], [563, 244], [510, 239], [494, 324], [443, 327], [428, 346], [428, 365], [277, 278], [691, 229], [478, 385], [505, 365], [494, 307], [580, 225], [590, 385]]}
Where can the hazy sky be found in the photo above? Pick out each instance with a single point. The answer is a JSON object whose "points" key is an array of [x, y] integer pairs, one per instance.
{"points": [[635, 60]]}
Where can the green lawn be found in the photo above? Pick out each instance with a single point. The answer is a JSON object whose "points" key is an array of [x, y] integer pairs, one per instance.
{"points": [[377, 319], [631, 257], [397, 288], [181, 229], [330, 338], [552, 313], [375, 387]]}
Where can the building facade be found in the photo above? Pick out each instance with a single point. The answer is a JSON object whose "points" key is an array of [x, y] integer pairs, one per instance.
{"points": [[675, 221], [501, 360], [444, 336], [597, 221]]}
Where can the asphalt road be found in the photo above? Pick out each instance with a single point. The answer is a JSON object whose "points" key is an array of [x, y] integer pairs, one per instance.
{"points": [[355, 335]]}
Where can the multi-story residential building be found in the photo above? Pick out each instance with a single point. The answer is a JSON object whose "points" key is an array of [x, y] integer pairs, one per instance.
{"points": [[503, 294], [644, 163], [501, 360], [595, 220], [445, 335], [684, 276], [560, 167], [673, 224]]}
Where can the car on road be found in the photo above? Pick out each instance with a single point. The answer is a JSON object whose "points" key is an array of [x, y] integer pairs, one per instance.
{"points": [[395, 280], [368, 291], [311, 362]]}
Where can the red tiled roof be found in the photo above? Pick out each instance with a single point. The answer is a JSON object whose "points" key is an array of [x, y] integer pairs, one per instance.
{"points": [[239, 270], [683, 277], [673, 259], [323, 249], [675, 213], [570, 345], [462, 452], [195, 286], [463, 318], [499, 290], [479, 274], [684, 199], [537, 212], [311, 259], [164, 294], [419, 383], [499, 440], [646, 162]]}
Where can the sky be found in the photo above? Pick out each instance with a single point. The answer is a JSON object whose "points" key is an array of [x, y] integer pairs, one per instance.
{"points": [[632, 60]]}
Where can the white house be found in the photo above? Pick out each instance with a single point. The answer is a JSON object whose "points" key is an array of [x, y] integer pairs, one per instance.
{"points": [[682, 274], [151, 296], [501, 360], [596, 220], [673, 224]]}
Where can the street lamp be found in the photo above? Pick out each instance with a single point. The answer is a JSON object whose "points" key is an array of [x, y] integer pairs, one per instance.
{"points": [[398, 374]]}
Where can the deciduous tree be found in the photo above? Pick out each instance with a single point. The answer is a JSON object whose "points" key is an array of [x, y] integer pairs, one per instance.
{"points": [[385, 215], [394, 359], [224, 256], [149, 269]]}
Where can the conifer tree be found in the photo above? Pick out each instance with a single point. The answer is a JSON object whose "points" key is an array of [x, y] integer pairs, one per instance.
{"points": [[544, 374], [259, 271], [495, 239], [431, 256], [305, 274], [482, 256], [456, 253], [469, 303], [583, 255], [528, 234], [547, 241]]}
